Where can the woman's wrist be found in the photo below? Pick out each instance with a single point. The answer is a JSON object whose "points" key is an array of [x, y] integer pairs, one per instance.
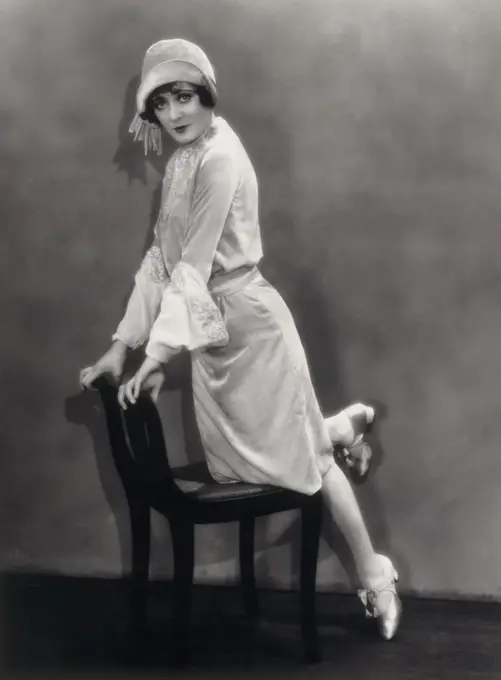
{"points": [[149, 365], [119, 347]]}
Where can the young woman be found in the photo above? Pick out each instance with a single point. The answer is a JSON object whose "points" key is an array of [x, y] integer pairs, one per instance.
{"points": [[199, 288]]}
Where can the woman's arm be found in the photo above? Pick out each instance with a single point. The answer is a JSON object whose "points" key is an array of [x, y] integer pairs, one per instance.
{"points": [[189, 318], [134, 329], [144, 301]]}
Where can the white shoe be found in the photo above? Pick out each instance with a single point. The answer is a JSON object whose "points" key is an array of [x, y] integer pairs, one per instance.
{"points": [[358, 454], [388, 618]]}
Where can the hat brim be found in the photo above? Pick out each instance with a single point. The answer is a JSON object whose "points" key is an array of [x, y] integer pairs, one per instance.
{"points": [[171, 71]]}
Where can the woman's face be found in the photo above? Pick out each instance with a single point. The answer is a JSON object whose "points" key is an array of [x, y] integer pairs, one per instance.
{"points": [[179, 111]]}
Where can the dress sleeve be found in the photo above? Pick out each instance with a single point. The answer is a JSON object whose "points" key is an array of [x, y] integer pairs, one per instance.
{"points": [[189, 318], [144, 301]]}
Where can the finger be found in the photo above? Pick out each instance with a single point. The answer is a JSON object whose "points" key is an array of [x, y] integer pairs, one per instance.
{"points": [[121, 397], [136, 388], [87, 377], [129, 391], [84, 372], [126, 394]]}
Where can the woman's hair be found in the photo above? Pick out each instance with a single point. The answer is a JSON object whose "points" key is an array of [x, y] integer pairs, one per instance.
{"points": [[203, 92]]}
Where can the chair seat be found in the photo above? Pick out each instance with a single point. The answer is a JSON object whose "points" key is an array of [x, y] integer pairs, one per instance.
{"points": [[195, 481]]}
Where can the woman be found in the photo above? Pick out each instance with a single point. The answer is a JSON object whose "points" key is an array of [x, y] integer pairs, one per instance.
{"points": [[199, 288]]}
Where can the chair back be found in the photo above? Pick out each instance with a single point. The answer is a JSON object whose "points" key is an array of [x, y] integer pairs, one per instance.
{"points": [[138, 445]]}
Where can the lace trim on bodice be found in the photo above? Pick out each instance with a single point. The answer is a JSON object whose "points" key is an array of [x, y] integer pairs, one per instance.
{"points": [[179, 176]]}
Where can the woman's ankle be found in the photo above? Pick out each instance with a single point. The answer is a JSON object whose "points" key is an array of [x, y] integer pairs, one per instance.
{"points": [[348, 426], [340, 429], [376, 571]]}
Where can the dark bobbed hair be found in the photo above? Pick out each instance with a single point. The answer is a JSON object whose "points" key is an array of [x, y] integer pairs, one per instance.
{"points": [[203, 92]]}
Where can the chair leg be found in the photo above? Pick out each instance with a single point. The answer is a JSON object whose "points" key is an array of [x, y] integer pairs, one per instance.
{"points": [[311, 525], [141, 536], [183, 545], [247, 574]]}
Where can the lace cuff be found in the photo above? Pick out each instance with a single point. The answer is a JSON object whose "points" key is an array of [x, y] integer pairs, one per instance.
{"points": [[153, 266], [144, 301], [189, 318]]}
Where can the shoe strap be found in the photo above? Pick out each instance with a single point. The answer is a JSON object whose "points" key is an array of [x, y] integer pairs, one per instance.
{"points": [[356, 442], [369, 597]]}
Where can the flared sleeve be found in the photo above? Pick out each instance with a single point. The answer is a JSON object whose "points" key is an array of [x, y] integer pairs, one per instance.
{"points": [[144, 302], [189, 318]]}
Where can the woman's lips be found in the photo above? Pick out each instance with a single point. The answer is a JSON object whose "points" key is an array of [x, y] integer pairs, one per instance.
{"points": [[180, 129]]}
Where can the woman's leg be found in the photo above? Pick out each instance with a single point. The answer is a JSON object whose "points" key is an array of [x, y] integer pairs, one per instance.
{"points": [[375, 571], [344, 509], [346, 430]]}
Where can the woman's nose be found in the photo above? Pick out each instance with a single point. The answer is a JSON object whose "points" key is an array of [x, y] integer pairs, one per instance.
{"points": [[174, 112]]}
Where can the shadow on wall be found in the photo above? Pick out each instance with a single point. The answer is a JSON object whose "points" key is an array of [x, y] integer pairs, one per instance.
{"points": [[287, 268], [129, 157], [131, 160]]}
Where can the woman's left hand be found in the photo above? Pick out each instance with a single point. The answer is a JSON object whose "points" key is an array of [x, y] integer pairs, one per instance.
{"points": [[131, 389]]}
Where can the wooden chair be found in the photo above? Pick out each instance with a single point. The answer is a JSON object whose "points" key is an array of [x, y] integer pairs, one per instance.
{"points": [[186, 498]]}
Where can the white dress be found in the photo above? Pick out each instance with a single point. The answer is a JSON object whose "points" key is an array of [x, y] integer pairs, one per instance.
{"points": [[199, 288]]}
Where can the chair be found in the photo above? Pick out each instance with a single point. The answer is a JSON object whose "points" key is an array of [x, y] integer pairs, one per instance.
{"points": [[186, 499]]}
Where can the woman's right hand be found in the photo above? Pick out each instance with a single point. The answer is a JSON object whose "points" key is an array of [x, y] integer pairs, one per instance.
{"points": [[111, 363]]}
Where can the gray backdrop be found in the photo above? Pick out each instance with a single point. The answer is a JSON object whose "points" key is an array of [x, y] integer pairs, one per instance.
{"points": [[375, 129]]}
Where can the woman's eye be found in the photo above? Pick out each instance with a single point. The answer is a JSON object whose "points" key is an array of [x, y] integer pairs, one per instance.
{"points": [[160, 105], [184, 97]]}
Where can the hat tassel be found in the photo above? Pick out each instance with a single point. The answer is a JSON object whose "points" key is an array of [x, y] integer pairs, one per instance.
{"points": [[148, 133]]}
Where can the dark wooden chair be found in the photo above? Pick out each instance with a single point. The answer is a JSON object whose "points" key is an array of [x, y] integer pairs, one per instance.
{"points": [[187, 498]]}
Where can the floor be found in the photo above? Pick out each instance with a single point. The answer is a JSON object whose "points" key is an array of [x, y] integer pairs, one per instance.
{"points": [[54, 626]]}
